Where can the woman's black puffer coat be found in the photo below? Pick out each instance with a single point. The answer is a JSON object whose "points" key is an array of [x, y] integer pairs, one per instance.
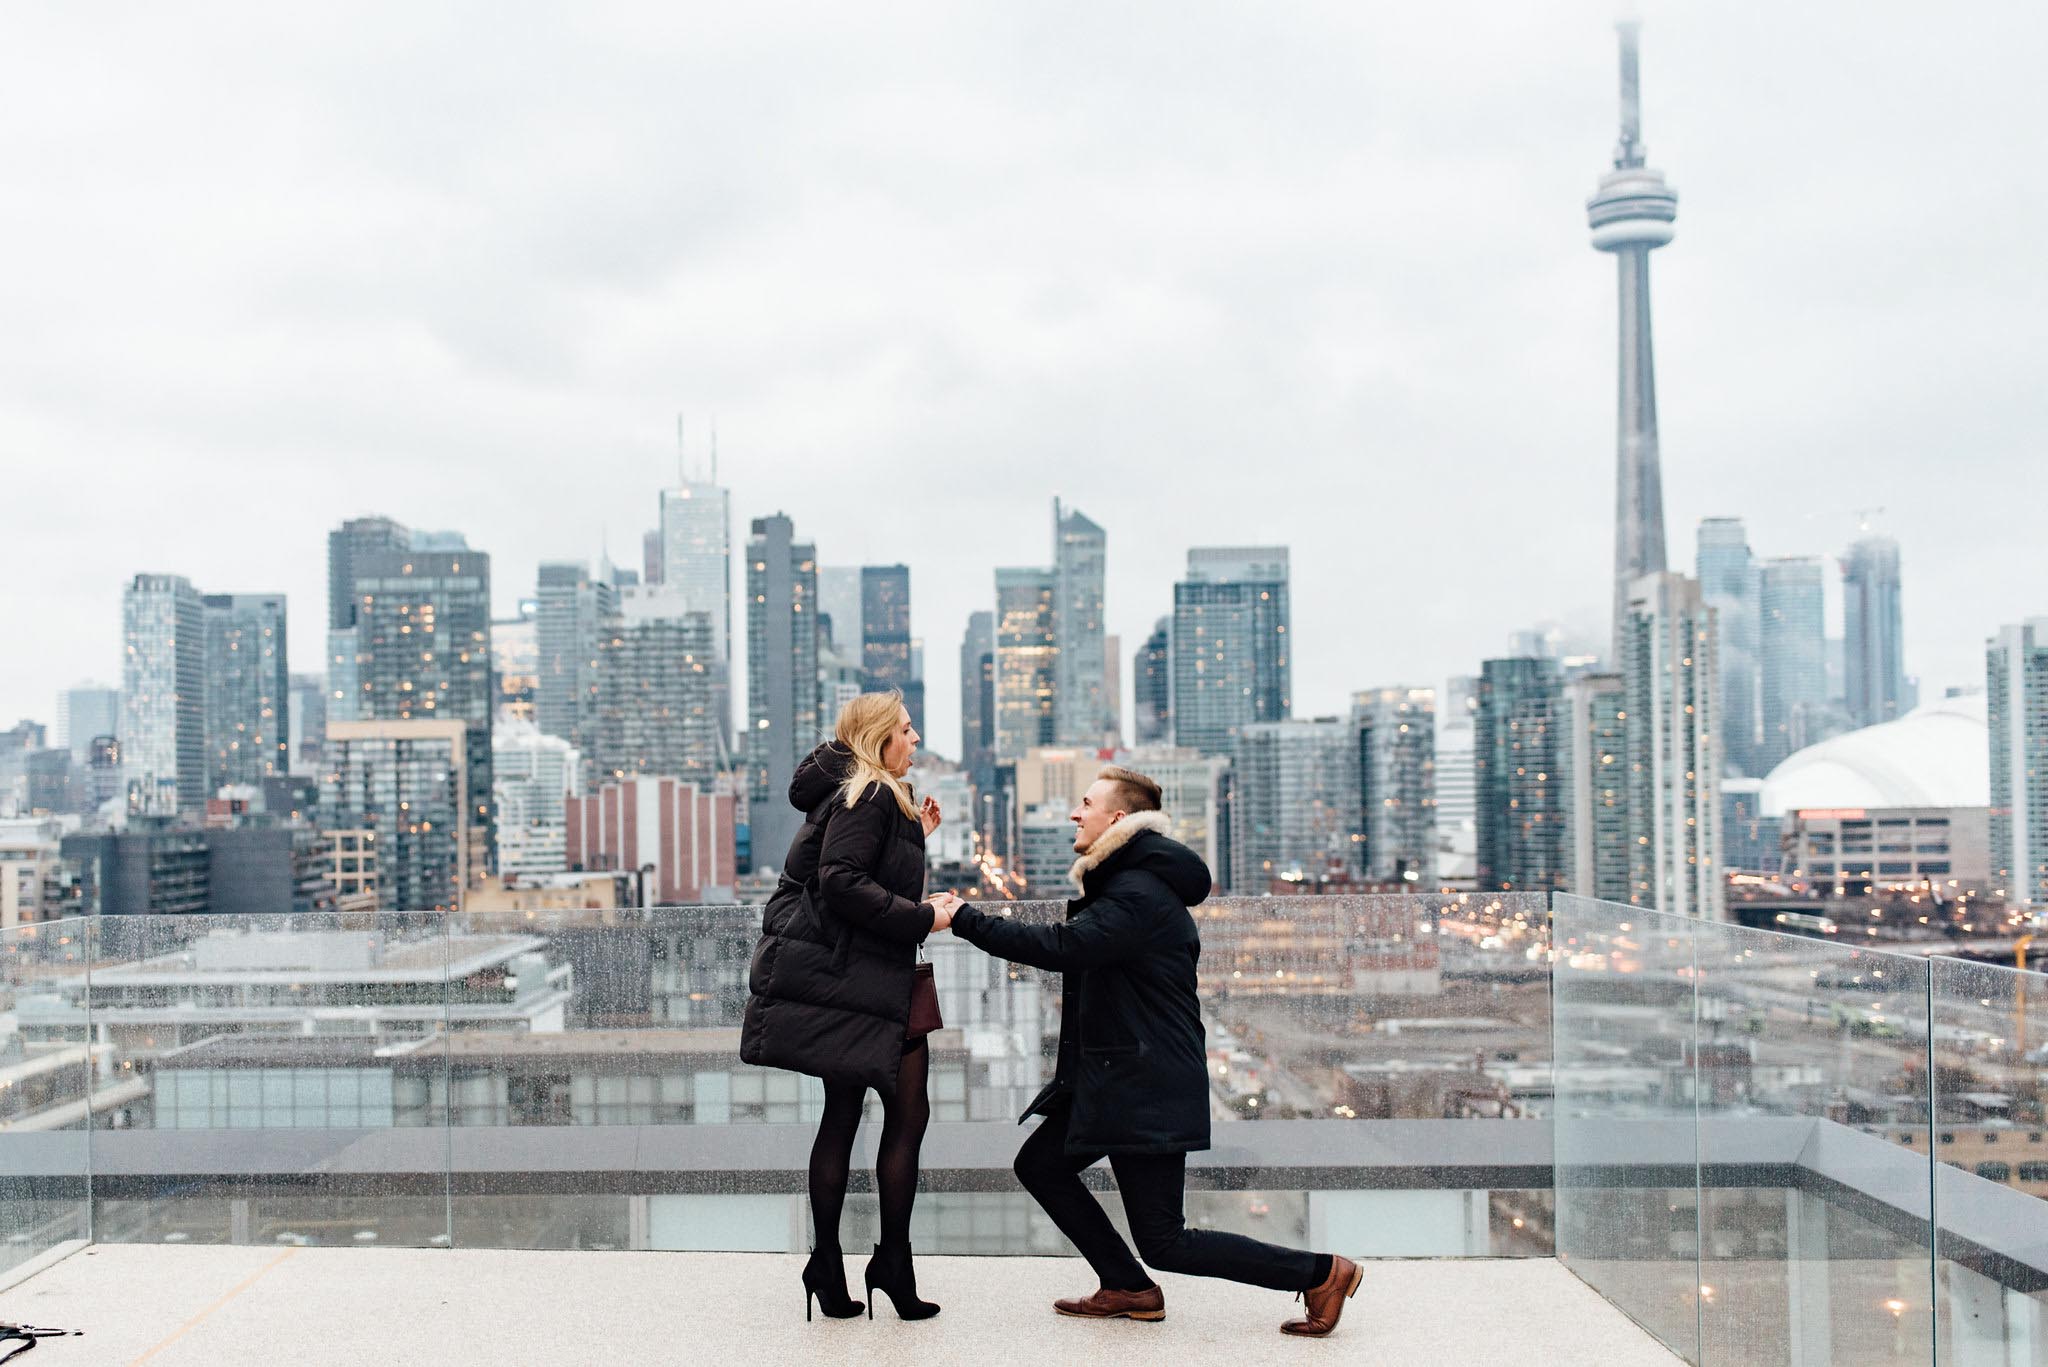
{"points": [[830, 981]]}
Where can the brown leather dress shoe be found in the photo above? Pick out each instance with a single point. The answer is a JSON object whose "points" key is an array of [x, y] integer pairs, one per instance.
{"points": [[1326, 1302], [1106, 1304]]}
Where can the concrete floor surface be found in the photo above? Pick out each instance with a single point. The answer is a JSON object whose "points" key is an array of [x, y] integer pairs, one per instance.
{"points": [[312, 1307]]}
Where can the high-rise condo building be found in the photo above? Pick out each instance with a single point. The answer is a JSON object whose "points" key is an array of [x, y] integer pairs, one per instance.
{"points": [[1152, 687], [1027, 657], [1230, 648], [1731, 581], [1792, 650], [978, 701], [1873, 630], [423, 623], [2016, 679], [1083, 706], [1295, 790], [349, 545], [1397, 784], [248, 689], [572, 613], [163, 694], [696, 562], [655, 711], [1631, 215], [1593, 756], [1674, 761], [397, 804], [782, 678], [885, 656], [1518, 784]]}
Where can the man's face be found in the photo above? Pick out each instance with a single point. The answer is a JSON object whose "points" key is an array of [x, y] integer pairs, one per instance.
{"points": [[1098, 810]]}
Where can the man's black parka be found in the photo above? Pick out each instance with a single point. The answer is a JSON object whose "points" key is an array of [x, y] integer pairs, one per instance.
{"points": [[831, 977], [1131, 1060]]}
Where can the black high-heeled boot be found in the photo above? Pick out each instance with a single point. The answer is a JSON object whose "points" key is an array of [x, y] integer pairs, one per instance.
{"points": [[890, 1271], [825, 1279]]}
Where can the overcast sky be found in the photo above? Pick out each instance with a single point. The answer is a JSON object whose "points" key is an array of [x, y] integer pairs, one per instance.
{"points": [[1314, 274]]}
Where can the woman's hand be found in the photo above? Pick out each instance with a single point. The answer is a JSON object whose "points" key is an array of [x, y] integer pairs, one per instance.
{"points": [[929, 814], [943, 906]]}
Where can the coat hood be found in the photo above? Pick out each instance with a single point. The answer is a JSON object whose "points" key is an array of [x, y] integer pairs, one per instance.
{"points": [[820, 774], [1141, 841]]}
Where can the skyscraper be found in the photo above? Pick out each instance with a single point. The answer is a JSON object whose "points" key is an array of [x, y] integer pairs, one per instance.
{"points": [[398, 797], [163, 693], [1517, 780], [1397, 784], [573, 612], [1674, 762], [1027, 657], [423, 623], [2016, 708], [1296, 793], [1083, 707], [1593, 755], [978, 701], [85, 712], [885, 636], [696, 562], [653, 711], [348, 545], [1631, 215], [248, 689], [1229, 642], [839, 594], [1457, 810], [1792, 650], [308, 722], [782, 678], [1732, 585], [1873, 632], [1152, 687]]}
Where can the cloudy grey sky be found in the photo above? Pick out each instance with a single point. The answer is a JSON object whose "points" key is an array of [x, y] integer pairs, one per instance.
{"points": [[1310, 273]]}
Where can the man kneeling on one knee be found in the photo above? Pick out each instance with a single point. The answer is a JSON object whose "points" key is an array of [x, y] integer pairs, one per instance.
{"points": [[1132, 1080]]}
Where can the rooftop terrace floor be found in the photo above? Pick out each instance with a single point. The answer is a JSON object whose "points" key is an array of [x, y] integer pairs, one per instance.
{"points": [[186, 1306]]}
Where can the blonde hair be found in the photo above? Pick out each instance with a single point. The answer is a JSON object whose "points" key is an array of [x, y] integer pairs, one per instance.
{"points": [[865, 725]]}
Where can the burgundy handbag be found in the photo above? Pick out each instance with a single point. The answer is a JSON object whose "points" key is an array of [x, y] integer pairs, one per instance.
{"points": [[924, 1005]]}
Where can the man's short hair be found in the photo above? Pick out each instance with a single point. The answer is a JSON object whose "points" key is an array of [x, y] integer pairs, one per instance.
{"points": [[1134, 791]]}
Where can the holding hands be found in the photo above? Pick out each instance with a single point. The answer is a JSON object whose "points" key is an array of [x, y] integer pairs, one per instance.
{"points": [[944, 905]]}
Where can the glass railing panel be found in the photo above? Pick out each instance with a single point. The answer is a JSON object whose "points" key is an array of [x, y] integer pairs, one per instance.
{"points": [[287, 1074], [1809, 1062], [629, 1119], [1989, 1049], [50, 1081], [1625, 1112], [1373, 1009]]}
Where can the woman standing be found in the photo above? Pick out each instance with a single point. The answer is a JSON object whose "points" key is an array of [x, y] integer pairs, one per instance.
{"points": [[833, 977]]}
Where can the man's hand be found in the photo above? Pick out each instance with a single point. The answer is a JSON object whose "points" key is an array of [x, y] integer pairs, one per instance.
{"points": [[943, 907], [929, 814]]}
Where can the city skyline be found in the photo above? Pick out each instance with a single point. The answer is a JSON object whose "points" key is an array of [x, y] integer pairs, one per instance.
{"points": [[467, 436]]}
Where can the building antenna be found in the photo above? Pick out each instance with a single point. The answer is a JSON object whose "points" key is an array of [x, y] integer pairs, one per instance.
{"points": [[682, 449], [714, 450]]}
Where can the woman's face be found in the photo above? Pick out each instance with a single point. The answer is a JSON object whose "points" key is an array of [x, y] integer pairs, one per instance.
{"points": [[901, 747]]}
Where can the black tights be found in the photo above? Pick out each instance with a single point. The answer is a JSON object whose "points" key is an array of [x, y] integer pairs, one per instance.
{"points": [[904, 1117]]}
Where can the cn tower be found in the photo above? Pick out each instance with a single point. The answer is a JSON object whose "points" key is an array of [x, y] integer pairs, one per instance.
{"points": [[1630, 216]]}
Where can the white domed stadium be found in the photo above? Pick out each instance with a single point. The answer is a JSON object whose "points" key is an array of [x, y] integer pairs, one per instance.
{"points": [[1937, 755], [1903, 804]]}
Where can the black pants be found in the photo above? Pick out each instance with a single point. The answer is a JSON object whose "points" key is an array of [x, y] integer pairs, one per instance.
{"points": [[1152, 1185]]}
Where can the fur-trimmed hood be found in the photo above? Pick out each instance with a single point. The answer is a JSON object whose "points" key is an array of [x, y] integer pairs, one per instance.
{"points": [[1179, 867]]}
